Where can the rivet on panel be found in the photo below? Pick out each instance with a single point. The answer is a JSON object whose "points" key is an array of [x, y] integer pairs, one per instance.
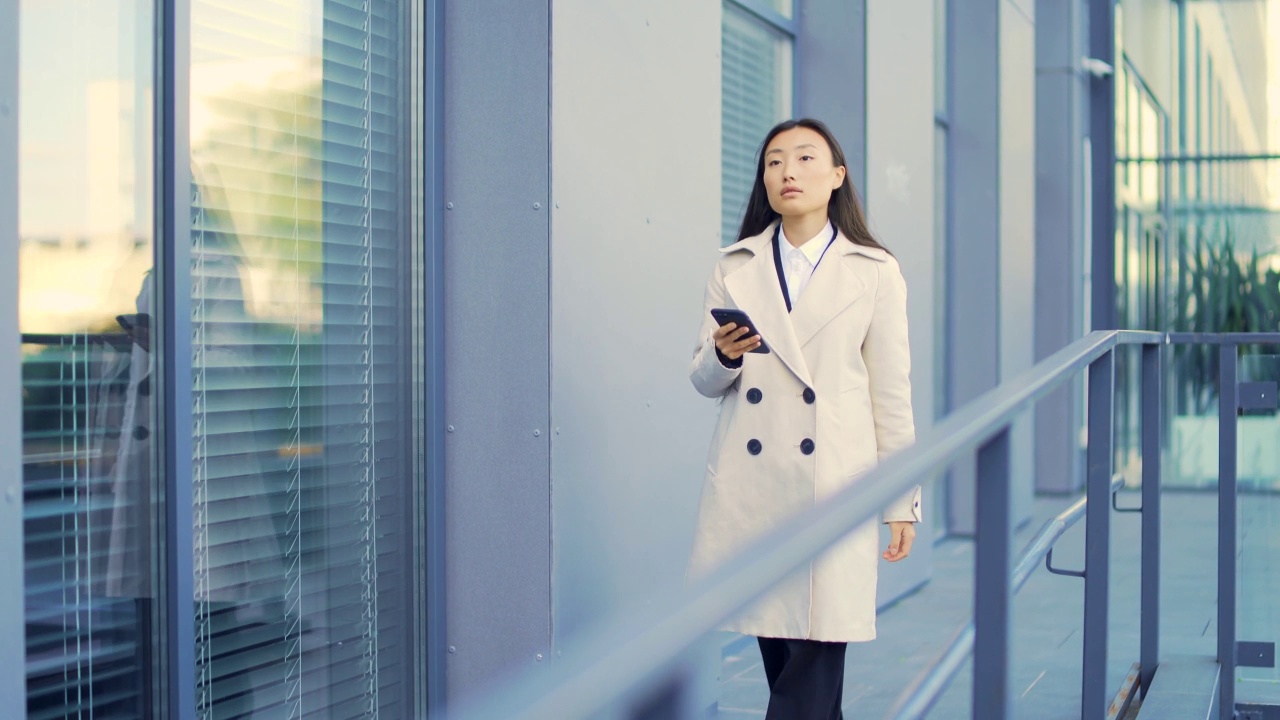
{"points": [[539, 657], [537, 433], [537, 206], [452, 649], [449, 205], [450, 428]]}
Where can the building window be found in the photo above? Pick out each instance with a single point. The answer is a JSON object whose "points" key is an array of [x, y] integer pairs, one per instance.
{"points": [[757, 44], [87, 293], [302, 467]]}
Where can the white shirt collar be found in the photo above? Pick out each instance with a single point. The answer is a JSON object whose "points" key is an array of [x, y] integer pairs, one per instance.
{"points": [[812, 248]]}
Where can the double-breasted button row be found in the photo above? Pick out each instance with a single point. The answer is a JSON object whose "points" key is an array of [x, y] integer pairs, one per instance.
{"points": [[754, 396], [754, 446]]}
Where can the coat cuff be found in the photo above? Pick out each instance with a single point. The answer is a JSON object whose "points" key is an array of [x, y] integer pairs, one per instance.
{"points": [[711, 376], [906, 509], [726, 362]]}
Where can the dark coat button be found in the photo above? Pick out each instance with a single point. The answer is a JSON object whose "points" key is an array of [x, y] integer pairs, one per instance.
{"points": [[806, 446], [809, 396], [141, 433], [754, 447], [754, 396]]}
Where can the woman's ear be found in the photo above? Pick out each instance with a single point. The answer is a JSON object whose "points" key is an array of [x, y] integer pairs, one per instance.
{"points": [[841, 171]]}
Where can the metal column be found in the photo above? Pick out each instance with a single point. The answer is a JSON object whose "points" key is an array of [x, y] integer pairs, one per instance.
{"points": [[992, 582], [1093, 698], [1102, 138], [13, 691], [173, 259], [1151, 425], [1228, 403]]}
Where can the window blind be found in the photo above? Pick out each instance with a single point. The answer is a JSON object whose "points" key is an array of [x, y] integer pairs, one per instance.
{"points": [[755, 66], [300, 305]]}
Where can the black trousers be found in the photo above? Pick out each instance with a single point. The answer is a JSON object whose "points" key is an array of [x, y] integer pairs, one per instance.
{"points": [[806, 678]]}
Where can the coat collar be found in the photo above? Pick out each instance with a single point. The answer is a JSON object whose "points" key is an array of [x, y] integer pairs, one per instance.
{"points": [[754, 288], [757, 244]]}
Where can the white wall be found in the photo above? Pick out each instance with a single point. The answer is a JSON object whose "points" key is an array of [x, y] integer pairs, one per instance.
{"points": [[635, 148], [899, 197], [1018, 225]]}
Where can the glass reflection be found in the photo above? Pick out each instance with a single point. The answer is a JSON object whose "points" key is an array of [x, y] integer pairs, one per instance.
{"points": [[87, 296], [300, 473]]}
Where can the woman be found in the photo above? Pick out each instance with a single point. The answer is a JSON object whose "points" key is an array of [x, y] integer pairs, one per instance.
{"points": [[830, 399]]}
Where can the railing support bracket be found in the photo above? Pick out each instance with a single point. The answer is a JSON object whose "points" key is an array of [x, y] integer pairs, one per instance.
{"points": [[1048, 564]]}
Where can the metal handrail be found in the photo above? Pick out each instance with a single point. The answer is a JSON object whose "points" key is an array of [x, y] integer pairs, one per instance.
{"points": [[923, 693], [626, 659]]}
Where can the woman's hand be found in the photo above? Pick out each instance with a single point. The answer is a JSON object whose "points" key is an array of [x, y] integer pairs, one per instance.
{"points": [[730, 343], [901, 535]]}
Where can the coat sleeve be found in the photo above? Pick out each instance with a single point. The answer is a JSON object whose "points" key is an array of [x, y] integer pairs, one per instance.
{"points": [[709, 372], [887, 355]]}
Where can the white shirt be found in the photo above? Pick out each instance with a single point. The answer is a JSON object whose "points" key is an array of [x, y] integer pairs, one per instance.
{"points": [[798, 263]]}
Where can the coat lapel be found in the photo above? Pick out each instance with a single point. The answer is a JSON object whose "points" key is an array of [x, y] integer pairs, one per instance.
{"points": [[833, 287], [754, 288]]}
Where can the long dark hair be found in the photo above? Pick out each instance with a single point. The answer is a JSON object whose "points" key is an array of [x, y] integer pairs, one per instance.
{"points": [[844, 210]]}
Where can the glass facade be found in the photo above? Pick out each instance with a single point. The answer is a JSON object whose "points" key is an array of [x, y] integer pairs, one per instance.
{"points": [[1197, 229], [1198, 250], [87, 293], [300, 308], [306, 460], [755, 62]]}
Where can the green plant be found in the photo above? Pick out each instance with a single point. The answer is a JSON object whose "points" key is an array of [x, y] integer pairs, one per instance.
{"points": [[1220, 291]]}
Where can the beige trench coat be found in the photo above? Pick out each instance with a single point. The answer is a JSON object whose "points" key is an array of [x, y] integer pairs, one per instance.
{"points": [[778, 449]]}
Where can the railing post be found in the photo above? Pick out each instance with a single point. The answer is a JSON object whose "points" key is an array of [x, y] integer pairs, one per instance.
{"points": [[1228, 403], [992, 582], [1093, 698], [1152, 399]]}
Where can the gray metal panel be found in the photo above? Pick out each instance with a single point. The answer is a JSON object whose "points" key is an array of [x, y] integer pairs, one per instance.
{"points": [[13, 691], [831, 75], [1017, 248], [1061, 96], [899, 199], [173, 257], [497, 488], [630, 259], [973, 296]]}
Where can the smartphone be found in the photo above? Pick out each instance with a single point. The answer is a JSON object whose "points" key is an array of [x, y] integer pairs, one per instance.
{"points": [[724, 316]]}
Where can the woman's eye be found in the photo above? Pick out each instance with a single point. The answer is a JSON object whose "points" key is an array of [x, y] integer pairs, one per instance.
{"points": [[774, 162], [806, 157]]}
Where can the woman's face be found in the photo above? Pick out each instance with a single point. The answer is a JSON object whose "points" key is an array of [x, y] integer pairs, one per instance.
{"points": [[799, 174]]}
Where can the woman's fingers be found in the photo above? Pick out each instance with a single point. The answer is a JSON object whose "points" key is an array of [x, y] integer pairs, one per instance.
{"points": [[902, 536], [729, 342], [734, 349], [723, 331]]}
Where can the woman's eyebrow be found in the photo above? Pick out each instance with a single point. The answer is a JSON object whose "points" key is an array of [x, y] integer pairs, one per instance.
{"points": [[806, 145]]}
